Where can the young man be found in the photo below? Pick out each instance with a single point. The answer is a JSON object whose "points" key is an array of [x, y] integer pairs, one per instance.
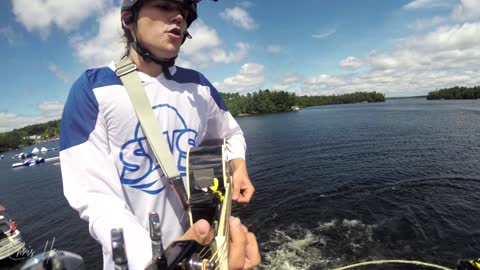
{"points": [[110, 174]]}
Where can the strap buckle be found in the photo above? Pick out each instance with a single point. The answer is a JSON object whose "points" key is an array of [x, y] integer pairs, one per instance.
{"points": [[125, 67]]}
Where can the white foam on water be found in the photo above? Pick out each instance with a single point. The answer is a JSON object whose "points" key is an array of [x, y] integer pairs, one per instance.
{"points": [[293, 253], [299, 248], [356, 230]]}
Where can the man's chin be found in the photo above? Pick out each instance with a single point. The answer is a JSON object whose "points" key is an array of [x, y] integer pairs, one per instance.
{"points": [[171, 52]]}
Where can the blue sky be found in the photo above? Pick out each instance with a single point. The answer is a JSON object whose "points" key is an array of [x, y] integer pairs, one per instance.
{"points": [[310, 47]]}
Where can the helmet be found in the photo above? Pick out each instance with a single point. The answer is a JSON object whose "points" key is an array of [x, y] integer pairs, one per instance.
{"points": [[191, 5]]}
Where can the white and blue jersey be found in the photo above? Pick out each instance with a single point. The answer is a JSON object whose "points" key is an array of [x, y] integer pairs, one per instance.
{"points": [[110, 174]]}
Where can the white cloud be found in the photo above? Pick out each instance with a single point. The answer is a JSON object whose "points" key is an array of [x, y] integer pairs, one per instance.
{"points": [[205, 48], [467, 10], [250, 78], [456, 37], [324, 79], [239, 17], [49, 110], [445, 57], [280, 87], [203, 38], [106, 46], [184, 63], [417, 4], [290, 78], [220, 56], [427, 23], [58, 73], [274, 49], [40, 15], [350, 63], [10, 121], [287, 82], [324, 34]]}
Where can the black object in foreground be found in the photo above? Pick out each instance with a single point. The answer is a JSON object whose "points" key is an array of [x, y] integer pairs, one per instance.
{"points": [[55, 260], [119, 253]]}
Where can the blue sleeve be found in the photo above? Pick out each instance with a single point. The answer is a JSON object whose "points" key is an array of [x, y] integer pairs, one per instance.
{"points": [[79, 114]]}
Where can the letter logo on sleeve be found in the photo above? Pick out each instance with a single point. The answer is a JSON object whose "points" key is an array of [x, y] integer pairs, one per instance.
{"points": [[141, 169]]}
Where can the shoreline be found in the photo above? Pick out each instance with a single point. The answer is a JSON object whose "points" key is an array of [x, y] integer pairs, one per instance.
{"points": [[3, 151]]}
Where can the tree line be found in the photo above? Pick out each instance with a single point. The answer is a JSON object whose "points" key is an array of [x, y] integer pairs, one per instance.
{"points": [[262, 101], [457, 92], [22, 137], [266, 101]]}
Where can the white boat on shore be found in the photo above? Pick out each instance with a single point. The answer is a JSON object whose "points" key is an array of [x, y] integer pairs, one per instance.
{"points": [[10, 238]]}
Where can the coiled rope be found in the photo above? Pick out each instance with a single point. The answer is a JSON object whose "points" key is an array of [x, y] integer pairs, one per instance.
{"points": [[418, 263]]}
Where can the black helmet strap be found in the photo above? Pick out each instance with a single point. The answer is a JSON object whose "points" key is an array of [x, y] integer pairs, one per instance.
{"points": [[149, 57]]}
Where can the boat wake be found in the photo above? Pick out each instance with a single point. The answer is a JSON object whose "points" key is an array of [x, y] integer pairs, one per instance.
{"points": [[328, 245]]}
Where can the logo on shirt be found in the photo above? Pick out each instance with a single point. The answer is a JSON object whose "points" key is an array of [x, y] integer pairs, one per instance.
{"points": [[141, 169]]}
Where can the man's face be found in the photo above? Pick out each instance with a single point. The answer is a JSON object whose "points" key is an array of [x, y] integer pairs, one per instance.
{"points": [[161, 26]]}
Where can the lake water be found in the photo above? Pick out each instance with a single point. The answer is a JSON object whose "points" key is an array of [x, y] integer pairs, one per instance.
{"points": [[335, 185]]}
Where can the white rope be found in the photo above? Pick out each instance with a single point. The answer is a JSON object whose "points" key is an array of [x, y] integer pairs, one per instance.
{"points": [[393, 261]]}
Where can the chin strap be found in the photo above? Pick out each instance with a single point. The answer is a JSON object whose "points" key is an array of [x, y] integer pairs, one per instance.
{"points": [[149, 57]]}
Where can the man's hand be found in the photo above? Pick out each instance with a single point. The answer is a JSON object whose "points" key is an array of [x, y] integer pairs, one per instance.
{"points": [[243, 253], [242, 186], [200, 231]]}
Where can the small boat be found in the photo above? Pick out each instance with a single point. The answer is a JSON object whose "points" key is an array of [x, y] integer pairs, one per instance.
{"points": [[29, 162], [18, 164], [35, 151], [10, 238], [23, 155], [34, 161], [43, 149], [19, 156]]}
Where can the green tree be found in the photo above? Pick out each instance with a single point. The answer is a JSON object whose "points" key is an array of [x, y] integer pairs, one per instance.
{"points": [[456, 92]]}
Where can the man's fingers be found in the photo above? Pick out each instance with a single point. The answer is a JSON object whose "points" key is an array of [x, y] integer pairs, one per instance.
{"points": [[236, 192], [238, 240], [252, 254], [200, 232], [246, 194]]}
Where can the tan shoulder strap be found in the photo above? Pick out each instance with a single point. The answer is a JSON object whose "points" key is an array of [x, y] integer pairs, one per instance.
{"points": [[126, 70]]}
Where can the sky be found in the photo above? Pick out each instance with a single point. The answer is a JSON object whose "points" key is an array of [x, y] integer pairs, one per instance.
{"points": [[308, 47]]}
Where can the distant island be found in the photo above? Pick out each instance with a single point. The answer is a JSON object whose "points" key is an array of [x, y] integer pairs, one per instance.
{"points": [[266, 101], [260, 102], [456, 92]]}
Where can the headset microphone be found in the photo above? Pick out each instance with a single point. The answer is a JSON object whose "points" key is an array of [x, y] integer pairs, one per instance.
{"points": [[127, 18]]}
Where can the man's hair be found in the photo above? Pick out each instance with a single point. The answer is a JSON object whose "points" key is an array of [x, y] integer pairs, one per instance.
{"points": [[128, 40], [127, 35]]}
